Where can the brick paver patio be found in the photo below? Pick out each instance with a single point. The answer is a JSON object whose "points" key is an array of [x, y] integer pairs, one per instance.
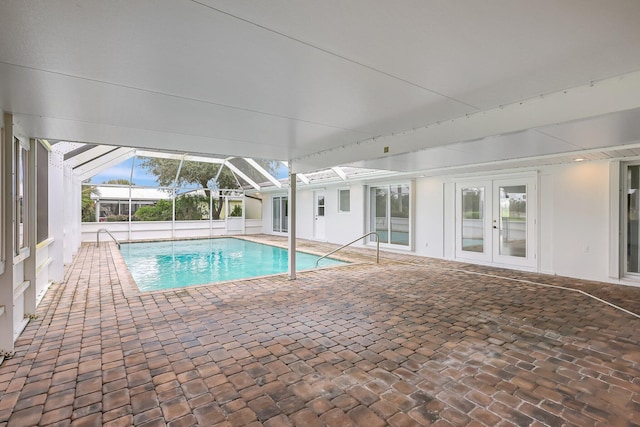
{"points": [[412, 341]]}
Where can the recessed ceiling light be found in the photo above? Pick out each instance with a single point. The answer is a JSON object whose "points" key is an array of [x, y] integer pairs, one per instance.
{"points": [[579, 159]]}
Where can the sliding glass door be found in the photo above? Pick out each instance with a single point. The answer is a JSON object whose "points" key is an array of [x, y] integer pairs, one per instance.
{"points": [[280, 215], [390, 213]]}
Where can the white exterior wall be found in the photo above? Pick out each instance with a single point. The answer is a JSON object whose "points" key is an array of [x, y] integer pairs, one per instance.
{"points": [[343, 227], [572, 217], [579, 220]]}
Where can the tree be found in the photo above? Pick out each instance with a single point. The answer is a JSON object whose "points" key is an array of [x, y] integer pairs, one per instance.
{"points": [[119, 181], [205, 175], [88, 204], [161, 211]]}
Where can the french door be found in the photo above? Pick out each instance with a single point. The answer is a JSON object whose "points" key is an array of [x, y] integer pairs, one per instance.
{"points": [[495, 221]]}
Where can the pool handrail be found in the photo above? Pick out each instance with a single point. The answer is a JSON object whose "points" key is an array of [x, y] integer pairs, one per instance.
{"points": [[109, 233], [352, 242]]}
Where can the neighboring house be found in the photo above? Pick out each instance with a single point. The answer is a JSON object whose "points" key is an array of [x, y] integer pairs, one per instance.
{"points": [[114, 201]]}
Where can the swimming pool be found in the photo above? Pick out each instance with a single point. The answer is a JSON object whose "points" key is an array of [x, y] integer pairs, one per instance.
{"points": [[174, 264]]}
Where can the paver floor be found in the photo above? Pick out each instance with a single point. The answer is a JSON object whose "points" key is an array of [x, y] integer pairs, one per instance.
{"points": [[410, 341]]}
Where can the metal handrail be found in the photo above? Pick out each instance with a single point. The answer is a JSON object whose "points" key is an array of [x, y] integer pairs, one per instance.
{"points": [[352, 242], [109, 233]]}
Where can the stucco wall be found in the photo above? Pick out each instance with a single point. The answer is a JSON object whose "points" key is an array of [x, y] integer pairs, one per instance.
{"points": [[572, 219]]}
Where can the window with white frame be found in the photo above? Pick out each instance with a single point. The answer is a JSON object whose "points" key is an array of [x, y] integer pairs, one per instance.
{"points": [[344, 200], [20, 192]]}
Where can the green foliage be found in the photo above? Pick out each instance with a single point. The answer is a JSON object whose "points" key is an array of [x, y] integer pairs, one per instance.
{"points": [[161, 211], [191, 173], [202, 175], [117, 218], [189, 207], [118, 181], [236, 211], [192, 207], [88, 204]]}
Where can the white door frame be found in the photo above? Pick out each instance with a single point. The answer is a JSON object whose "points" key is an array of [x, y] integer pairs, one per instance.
{"points": [[489, 228], [319, 215]]}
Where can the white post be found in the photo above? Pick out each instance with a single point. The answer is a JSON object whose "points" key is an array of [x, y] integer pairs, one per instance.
{"points": [[31, 223], [56, 214], [292, 224], [6, 251], [173, 213]]}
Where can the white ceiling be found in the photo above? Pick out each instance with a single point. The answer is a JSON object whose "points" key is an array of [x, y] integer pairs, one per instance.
{"points": [[323, 83]]}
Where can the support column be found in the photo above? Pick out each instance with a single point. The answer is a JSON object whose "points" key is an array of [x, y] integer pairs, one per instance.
{"points": [[292, 224], [6, 231], [30, 263], [56, 215]]}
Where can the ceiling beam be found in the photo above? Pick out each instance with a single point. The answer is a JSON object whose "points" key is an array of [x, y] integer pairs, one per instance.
{"points": [[338, 171], [88, 155], [100, 164]]}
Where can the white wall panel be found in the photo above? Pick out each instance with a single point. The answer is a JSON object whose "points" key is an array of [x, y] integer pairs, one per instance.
{"points": [[580, 237]]}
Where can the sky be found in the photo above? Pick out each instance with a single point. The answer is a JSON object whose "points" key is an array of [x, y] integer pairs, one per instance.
{"points": [[123, 171], [142, 177]]}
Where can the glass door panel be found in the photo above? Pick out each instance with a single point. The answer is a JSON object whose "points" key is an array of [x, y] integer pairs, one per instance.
{"points": [[379, 221], [494, 222], [632, 212], [280, 214], [399, 221], [276, 214], [512, 223], [472, 235]]}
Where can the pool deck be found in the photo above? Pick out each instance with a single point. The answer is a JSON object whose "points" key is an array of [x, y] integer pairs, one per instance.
{"points": [[409, 341]]}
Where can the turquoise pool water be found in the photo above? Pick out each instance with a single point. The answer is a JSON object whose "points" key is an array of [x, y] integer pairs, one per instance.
{"points": [[174, 264]]}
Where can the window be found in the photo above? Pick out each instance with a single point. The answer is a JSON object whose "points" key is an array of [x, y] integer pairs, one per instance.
{"points": [[344, 200], [20, 191], [281, 214], [390, 206], [42, 191]]}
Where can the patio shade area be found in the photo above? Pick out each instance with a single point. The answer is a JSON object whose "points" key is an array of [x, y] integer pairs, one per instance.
{"points": [[411, 341]]}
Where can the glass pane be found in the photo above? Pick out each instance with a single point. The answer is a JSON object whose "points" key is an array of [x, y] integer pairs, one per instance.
{"points": [[633, 211], [473, 219], [320, 205], [379, 214], [285, 217], [21, 190], [513, 220], [345, 200], [276, 214], [400, 215]]}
